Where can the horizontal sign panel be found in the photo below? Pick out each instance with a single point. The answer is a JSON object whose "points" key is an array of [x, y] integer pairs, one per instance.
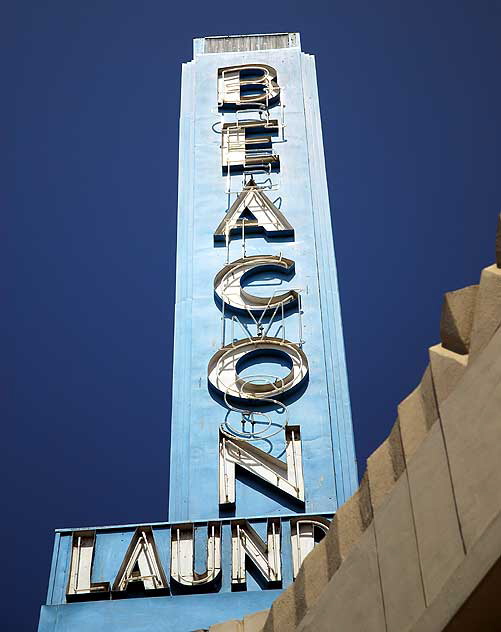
{"points": [[182, 558]]}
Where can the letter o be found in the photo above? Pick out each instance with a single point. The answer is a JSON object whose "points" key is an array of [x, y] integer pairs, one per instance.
{"points": [[223, 369]]}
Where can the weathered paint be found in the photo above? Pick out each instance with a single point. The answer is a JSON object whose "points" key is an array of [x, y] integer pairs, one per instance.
{"points": [[322, 410], [193, 610], [186, 613]]}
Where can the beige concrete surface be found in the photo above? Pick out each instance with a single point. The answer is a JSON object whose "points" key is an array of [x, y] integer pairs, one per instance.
{"points": [[228, 626], [482, 557], [457, 319], [384, 466], [282, 615], [399, 566], [255, 622], [487, 316], [312, 578], [482, 609], [348, 524], [417, 413], [438, 533], [471, 419], [352, 599], [447, 369], [498, 242], [346, 527]]}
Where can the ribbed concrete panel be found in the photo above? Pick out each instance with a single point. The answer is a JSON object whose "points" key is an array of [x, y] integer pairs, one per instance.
{"points": [[417, 413], [471, 577], [228, 626], [447, 369], [471, 418], [437, 528], [487, 316], [398, 559], [457, 319], [283, 615], [255, 622], [384, 467], [352, 599], [312, 579]]}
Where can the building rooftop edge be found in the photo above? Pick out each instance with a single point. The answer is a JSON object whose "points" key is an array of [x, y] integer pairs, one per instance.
{"points": [[246, 42]]}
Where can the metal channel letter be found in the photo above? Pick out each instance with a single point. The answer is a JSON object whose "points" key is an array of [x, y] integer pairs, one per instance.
{"points": [[285, 477], [305, 534], [253, 212], [248, 145], [245, 543], [223, 369], [183, 555], [80, 587], [141, 571], [228, 284], [247, 85]]}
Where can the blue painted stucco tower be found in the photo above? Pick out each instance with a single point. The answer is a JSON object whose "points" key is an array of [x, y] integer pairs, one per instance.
{"points": [[262, 449]]}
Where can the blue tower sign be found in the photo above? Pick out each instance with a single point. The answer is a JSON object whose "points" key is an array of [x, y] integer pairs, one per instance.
{"points": [[262, 442]]}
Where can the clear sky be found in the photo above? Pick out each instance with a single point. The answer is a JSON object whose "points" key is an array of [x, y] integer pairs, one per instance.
{"points": [[410, 100]]}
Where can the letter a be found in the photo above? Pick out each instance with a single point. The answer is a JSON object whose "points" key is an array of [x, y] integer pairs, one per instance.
{"points": [[253, 212], [141, 570]]}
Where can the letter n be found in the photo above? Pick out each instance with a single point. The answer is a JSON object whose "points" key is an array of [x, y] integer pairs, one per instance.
{"points": [[264, 555], [286, 477]]}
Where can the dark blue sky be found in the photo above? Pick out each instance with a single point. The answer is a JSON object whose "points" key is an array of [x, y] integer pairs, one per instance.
{"points": [[410, 100]]}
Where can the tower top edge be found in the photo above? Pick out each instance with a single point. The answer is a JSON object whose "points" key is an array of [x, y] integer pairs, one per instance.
{"points": [[245, 43]]}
